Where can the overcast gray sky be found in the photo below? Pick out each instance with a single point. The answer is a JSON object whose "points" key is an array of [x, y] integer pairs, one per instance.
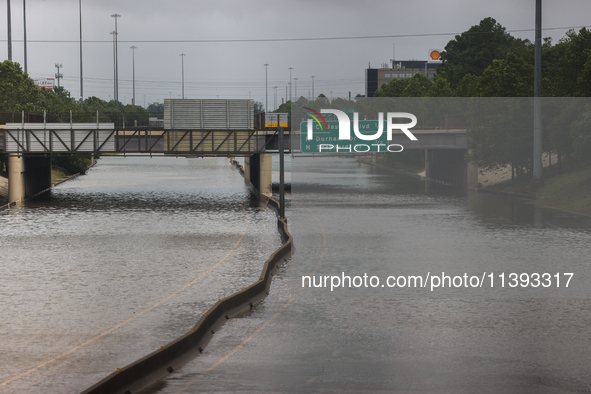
{"points": [[235, 69]]}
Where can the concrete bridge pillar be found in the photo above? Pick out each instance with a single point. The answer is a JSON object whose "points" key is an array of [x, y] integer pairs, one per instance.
{"points": [[449, 167], [16, 178], [27, 176], [266, 179], [258, 171]]}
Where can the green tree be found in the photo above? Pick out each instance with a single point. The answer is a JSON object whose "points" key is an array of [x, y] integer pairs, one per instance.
{"points": [[474, 50], [18, 92], [467, 86], [510, 77], [156, 108], [571, 68], [440, 88], [417, 86]]}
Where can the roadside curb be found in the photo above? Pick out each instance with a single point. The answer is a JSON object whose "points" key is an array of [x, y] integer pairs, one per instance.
{"points": [[520, 196]]}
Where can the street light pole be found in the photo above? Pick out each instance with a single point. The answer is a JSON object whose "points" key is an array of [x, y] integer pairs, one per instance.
{"points": [[25, 32], [133, 48], [116, 63], [537, 175], [9, 30], [266, 88], [290, 68], [114, 69], [182, 55], [81, 84], [58, 75]]}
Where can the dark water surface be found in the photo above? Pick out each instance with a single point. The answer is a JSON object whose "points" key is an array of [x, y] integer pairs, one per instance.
{"points": [[136, 230], [354, 219], [110, 245]]}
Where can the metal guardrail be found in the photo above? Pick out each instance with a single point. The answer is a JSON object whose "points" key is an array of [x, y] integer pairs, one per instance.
{"points": [[141, 373]]}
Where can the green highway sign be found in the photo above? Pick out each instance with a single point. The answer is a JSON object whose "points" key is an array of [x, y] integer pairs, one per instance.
{"points": [[327, 140]]}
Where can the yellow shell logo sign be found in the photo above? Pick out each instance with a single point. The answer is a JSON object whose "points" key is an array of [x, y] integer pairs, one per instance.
{"points": [[435, 55]]}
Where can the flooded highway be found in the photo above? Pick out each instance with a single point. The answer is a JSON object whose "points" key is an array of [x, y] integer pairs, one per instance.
{"points": [[119, 241], [120, 262], [351, 219]]}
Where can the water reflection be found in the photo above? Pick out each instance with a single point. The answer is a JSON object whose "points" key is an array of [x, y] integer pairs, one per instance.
{"points": [[109, 246], [406, 339]]}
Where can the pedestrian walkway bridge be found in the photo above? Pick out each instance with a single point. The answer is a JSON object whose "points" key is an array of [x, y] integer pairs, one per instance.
{"points": [[34, 138]]}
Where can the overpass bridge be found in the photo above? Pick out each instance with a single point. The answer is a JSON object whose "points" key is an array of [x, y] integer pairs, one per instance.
{"points": [[201, 128], [29, 147], [191, 128]]}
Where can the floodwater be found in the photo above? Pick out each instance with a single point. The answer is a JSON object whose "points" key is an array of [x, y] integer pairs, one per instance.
{"points": [[352, 219], [120, 262], [501, 319]]}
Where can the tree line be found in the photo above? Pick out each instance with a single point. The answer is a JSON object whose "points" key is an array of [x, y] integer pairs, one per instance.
{"points": [[486, 61], [19, 93]]}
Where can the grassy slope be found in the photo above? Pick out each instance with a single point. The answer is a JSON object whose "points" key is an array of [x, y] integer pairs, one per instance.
{"points": [[570, 191]]}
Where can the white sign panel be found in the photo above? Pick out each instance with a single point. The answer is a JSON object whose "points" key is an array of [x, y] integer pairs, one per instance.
{"points": [[45, 83]]}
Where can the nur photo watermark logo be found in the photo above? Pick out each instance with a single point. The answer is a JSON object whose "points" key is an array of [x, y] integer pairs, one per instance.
{"points": [[321, 136]]}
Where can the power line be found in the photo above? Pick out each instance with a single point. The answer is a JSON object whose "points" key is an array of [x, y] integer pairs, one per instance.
{"points": [[299, 39]]}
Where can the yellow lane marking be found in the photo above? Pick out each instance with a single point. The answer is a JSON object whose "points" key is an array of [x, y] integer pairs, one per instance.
{"points": [[136, 316]]}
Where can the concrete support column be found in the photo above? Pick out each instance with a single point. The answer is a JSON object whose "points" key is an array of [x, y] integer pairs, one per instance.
{"points": [[266, 172], [449, 167], [472, 176], [16, 178], [260, 169], [247, 169]]}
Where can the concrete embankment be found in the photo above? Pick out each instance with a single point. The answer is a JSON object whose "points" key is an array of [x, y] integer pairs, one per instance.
{"points": [[143, 372], [3, 187]]}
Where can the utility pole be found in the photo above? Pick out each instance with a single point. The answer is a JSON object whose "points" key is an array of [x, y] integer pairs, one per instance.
{"points": [[9, 31], [116, 63], [182, 55], [537, 160], [133, 48], [266, 88], [114, 69], [25, 31], [81, 84], [290, 68], [58, 75]]}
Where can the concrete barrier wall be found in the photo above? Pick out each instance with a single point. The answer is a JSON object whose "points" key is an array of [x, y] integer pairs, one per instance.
{"points": [[141, 373]]}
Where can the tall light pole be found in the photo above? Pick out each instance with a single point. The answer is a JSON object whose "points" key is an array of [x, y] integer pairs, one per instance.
{"points": [[290, 68], [58, 75], [9, 31], [182, 55], [116, 63], [114, 33], [81, 84], [25, 32], [266, 89], [133, 48], [313, 97], [537, 175]]}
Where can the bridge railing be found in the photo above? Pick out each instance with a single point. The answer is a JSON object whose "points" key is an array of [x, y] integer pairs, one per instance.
{"points": [[36, 138]]}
